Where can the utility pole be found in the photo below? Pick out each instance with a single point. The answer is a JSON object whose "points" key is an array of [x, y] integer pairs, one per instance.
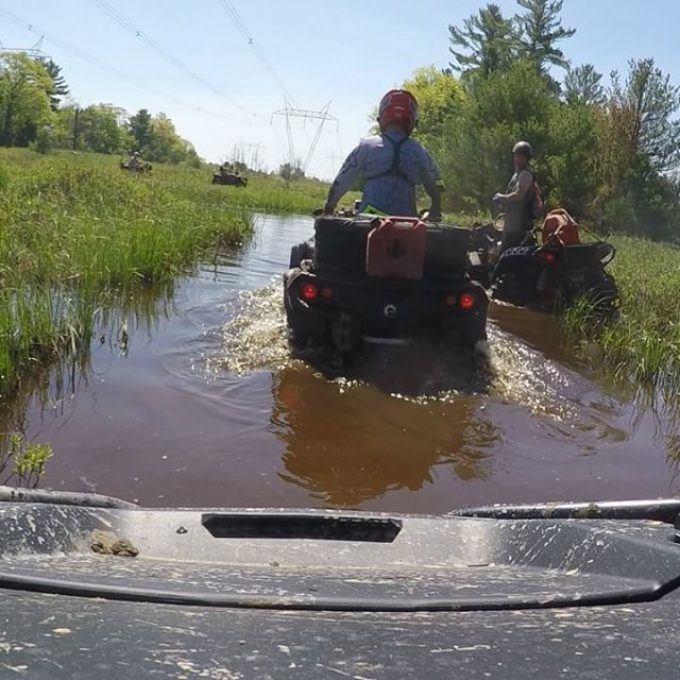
{"points": [[76, 121]]}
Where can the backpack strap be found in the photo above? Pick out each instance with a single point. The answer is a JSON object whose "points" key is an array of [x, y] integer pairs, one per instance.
{"points": [[395, 168]]}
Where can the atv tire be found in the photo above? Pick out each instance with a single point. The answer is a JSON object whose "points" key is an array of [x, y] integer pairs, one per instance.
{"points": [[508, 288], [302, 251], [300, 332], [605, 297]]}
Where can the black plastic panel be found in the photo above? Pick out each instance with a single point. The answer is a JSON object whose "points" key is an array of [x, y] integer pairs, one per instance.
{"points": [[337, 561]]}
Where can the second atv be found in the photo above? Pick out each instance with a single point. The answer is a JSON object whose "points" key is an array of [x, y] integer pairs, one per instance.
{"points": [[549, 276], [382, 280], [227, 178]]}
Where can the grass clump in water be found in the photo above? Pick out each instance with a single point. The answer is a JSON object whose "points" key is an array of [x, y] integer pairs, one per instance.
{"points": [[23, 461]]}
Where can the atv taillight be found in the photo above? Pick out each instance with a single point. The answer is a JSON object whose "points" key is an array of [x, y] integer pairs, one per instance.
{"points": [[309, 291], [548, 256], [467, 301]]}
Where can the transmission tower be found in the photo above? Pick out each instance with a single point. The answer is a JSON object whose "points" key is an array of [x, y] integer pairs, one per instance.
{"points": [[38, 45], [34, 51], [322, 116], [248, 153]]}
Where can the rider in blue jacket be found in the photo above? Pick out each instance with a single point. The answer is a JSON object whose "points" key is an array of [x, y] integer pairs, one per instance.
{"points": [[389, 166]]}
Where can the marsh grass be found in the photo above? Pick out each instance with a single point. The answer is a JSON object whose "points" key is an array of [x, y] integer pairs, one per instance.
{"points": [[643, 345], [77, 234]]}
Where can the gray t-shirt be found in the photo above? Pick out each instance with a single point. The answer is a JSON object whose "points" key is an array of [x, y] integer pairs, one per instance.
{"points": [[518, 216]]}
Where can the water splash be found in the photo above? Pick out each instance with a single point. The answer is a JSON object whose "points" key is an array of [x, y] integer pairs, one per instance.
{"points": [[524, 376], [255, 338]]}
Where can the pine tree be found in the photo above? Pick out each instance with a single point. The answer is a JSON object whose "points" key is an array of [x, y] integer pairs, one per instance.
{"points": [[59, 87], [582, 85], [541, 29], [485, 44]]}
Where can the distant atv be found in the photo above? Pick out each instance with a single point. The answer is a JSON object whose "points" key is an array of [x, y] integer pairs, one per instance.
{"points": [[229, 179], [139, 169], [382, 280], [549, 276]]}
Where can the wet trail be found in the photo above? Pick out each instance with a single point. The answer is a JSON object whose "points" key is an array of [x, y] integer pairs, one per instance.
{"points": [[206, 407]]}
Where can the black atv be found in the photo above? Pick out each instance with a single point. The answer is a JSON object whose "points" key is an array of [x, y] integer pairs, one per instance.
{"points": [[382, 281], [546, 277], [229, 179], [139, 169]]}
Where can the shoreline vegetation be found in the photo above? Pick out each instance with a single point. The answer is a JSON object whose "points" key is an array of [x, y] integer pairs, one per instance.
{"points": [[642, 346], [78, 235]]}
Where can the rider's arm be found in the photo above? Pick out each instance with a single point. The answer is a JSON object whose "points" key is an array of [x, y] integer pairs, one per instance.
{"points": [[347, 178], [523, 185], [432, 181]]}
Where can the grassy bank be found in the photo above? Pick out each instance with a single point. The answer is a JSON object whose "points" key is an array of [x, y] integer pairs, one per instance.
{"points": [[76, 233], [644, 344]]}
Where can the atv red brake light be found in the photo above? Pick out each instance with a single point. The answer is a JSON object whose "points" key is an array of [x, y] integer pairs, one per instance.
{"points": [[467, 300], [309, 291], [548, 257]]}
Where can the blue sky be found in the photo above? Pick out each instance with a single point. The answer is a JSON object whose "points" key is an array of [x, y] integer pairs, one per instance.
{"points": [[346, 52]]}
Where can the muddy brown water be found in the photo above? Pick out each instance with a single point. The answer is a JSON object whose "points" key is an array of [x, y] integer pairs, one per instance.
{"points": [[206, 407]]}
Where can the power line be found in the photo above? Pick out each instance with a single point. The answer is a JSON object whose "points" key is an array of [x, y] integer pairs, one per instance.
{"points": [[243, 29], [92, 60], [116, 16]]}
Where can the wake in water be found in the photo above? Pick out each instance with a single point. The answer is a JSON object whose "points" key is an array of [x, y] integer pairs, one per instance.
{"points": [[255, 338]]}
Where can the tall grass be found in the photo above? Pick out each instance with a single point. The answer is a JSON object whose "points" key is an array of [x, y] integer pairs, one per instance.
{"points": [[643, 345], [76, 232]]}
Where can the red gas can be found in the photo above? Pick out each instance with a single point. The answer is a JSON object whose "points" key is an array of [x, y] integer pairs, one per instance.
{"points": [[559, 227], [395, 248]]}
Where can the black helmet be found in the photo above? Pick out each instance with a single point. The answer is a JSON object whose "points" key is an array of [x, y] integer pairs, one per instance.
{"points": [[523, 148]]}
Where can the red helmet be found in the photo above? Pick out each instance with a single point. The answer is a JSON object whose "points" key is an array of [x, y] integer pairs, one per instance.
{"points": [[398, 107]]}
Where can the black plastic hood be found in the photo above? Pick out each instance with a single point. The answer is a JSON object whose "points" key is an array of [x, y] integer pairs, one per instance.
{"points": [[340, 561]]}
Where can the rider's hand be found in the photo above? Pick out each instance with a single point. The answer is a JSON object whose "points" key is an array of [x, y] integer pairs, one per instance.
{"points": [[497, 199], [433, 217]]}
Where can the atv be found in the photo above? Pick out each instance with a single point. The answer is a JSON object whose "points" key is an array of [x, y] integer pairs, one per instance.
{"points": [[548, 276], [229, 179], [382, 280], [140, 169]]}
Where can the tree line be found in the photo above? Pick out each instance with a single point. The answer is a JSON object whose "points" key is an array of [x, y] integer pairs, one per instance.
{"points": [[35, 112], [606, 151]]}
